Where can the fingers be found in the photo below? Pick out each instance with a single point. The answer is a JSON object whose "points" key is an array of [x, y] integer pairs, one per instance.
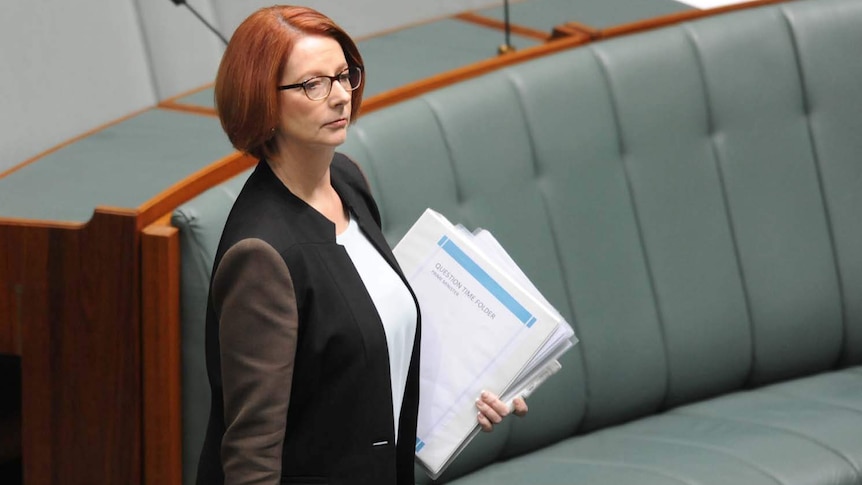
{"points": [[484, 423], [492, 410], [520, 407], [494, 402]]}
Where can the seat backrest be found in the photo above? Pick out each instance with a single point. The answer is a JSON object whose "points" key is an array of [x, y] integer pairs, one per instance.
{"points": [[200, 223], [685, 197]]}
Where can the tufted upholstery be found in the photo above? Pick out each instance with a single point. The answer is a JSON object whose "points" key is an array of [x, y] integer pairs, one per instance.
{"points": [[689, 199]]}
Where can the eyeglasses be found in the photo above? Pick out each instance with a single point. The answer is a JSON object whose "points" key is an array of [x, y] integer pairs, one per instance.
{"points": [[319, 87]]}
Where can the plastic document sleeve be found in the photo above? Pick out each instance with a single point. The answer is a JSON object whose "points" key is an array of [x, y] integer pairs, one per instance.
{"points": [[481, 330]]}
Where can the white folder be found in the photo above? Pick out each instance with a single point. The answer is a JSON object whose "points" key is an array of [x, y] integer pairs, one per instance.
{"points": [[484, 327]]}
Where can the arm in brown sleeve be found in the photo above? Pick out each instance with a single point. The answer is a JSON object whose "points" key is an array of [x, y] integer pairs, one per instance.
{"points": [[255, 302]]}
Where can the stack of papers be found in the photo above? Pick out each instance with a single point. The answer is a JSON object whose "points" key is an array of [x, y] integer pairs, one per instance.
{"points": [[485, 326]]}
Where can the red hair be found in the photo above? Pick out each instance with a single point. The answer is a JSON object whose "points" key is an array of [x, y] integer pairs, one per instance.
{"points": [[251, 68]]}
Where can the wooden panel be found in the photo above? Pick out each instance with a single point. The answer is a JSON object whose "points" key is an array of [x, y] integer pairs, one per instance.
{"points": [[80, 348], [10, 308], [160, 271]]}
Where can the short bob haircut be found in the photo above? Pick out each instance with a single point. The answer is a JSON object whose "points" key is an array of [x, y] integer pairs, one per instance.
{"points": [[245, 89]]}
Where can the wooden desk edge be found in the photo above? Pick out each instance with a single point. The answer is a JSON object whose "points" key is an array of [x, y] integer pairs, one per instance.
{"points": [[161, 359]]}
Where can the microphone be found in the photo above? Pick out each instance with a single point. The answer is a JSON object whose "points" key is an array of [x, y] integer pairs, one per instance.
{"points": [[507, 47], [216, 32]]}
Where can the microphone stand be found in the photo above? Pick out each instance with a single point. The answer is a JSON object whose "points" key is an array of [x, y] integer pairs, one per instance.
{"points": [[506, 47], [216, 32]]}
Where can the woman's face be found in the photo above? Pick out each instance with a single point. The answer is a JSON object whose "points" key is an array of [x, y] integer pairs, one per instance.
{"points": [[321, 123]]}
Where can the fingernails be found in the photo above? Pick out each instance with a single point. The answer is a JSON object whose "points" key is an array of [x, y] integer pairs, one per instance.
{"points": [[484, 395]]}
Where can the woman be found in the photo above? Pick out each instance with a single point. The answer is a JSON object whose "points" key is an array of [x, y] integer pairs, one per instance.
{"points": [[312, 331]]}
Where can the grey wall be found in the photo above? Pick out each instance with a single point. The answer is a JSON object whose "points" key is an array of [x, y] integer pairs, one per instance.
{"points": [[65, 68], [68, 67]]}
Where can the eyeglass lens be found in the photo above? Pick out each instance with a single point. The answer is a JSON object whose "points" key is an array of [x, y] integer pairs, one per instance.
{"points": [[320, 87]]}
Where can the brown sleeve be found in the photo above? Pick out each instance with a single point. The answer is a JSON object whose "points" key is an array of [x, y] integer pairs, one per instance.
{"points": [[255, 302]]}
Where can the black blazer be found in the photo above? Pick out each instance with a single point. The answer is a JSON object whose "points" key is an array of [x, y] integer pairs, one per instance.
{"points": [[296, 353]]}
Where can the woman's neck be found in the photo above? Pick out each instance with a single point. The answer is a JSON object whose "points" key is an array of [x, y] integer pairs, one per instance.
{"points": [[306, 174]]}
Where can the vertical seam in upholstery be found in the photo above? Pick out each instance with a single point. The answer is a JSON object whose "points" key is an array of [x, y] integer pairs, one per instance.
{"points": [[711, 127], [530, 136], [554, 237], [806, 107], [380, 196], [459, 191], [503, 452], [647, 266]]}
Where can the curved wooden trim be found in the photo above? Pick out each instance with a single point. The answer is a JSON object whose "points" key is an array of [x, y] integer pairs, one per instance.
{"points": [[575, 29], [116, 211], [49, 224], [188, 108], [437, 81], [493, 23], [665, 20], [399, 28], [173, 102], [235, 163], [46, 224], [165, 220], [176, 98], [161, 362], [73, 140], [193, 185]]}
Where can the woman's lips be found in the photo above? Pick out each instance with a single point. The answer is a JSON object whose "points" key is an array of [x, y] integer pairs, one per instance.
{"points": [[339, 123]]}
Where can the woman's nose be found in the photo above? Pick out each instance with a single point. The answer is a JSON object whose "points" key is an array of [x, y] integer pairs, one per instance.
{"points": [[339, 95]]}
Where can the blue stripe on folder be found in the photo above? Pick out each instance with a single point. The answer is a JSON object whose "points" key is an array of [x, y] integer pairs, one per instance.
{"points": [[485, 280], [419, 445]]}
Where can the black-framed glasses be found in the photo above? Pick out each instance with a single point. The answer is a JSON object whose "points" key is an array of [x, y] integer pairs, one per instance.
{"points": [[319, 87]]}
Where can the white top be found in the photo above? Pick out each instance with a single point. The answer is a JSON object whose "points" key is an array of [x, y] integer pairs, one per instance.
{"points": [[394, 304]]}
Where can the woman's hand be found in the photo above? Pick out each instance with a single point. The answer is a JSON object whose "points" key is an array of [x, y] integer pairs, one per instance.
{"points": [[492, 410]]}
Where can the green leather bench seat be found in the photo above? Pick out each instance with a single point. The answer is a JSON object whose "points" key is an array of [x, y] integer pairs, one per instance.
{"points": [[688, 198], [791, 433]]}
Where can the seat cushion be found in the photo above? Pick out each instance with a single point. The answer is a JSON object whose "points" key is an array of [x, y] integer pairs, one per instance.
{"points": [[807, 431]]}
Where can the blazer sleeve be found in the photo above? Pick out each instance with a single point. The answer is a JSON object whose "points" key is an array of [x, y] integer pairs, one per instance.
{"points": [[255, 302]]}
